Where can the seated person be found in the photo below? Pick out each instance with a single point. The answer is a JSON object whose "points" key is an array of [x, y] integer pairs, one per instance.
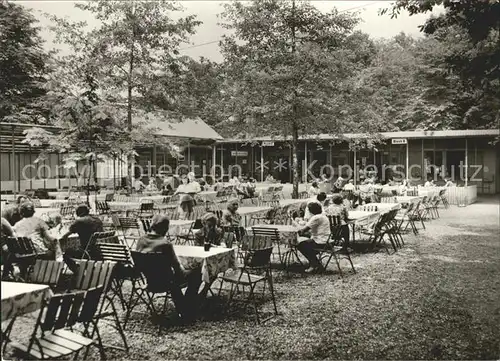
{"points": [[349, 186], [337, 208], [6, 231], [317, 231], [155, 241], [429, 183], [269, 179], [186, 206], [85, 225], [139, 185], [152, 185], [449, 183], [203, 185], [37, 230], [210, 233], [321, 199], [232, 219], [338, 185], [12, 212], [313, 190], [167, 191]]}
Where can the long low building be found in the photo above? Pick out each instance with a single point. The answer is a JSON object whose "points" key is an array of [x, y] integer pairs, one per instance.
{"points": [[417, 154], [469, 157]]}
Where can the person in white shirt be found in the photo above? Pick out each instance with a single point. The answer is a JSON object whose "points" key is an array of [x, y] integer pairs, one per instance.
{"points": [[429, 183], [139, 185], [349, 186], [317, 231], [403, 188], [449, 183], [314, 190], [319, 199]]}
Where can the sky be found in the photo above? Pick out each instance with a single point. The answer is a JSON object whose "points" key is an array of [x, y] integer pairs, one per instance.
{"points": [[375, 25]]}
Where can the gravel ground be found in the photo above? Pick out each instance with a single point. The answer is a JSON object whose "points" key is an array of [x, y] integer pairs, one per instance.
{"points": [[436, 298]]}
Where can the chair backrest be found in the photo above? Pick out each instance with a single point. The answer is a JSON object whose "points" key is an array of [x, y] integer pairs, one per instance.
{"points": [[151, 265], [128, 223], [62, 311], [93, 273], [21, 246], [147, 206], [197, 224], [46, 272], [67, 210], [146, 224], [90, 304], [263, 237], [258, 258], [109, 197], [102, 206], [114, 252]]}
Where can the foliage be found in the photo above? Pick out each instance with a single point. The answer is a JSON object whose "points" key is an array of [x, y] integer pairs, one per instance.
{"points": [[23, 64], [469, 31], [135, 44], [287, 66]]}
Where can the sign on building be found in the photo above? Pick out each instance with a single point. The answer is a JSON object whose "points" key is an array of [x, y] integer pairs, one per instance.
{"points": [[239, 153], [400, 141], [268, 144]]}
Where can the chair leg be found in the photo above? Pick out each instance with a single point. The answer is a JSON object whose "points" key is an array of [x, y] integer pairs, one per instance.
{"points": [[251, 297], [271, 289]]}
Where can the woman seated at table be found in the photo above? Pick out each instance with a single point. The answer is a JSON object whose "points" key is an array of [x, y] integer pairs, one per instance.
{"points": [[232, 219], [155, 242], [11, 212], [188, 186], [313, 190], [186, 206], [317, 231], [37, 230], [349, 186], [338, 209], [269, 178], [210, 233]]}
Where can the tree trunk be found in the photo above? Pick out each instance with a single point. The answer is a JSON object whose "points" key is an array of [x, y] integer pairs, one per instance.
{"points": [[94, 169], [295, 161], [88, 181], [130, 87]]}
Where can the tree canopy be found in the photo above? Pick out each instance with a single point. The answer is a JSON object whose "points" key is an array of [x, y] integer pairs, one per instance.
{"points": [[23, 64]]}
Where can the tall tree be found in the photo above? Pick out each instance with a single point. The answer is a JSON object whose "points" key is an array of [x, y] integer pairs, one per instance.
{"points": [[475, 26], [286, 64], [136, 41], [23, 64]]}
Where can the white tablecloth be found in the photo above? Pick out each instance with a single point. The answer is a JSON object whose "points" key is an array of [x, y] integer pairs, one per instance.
{"points": [[212, 262], [22, 298]]}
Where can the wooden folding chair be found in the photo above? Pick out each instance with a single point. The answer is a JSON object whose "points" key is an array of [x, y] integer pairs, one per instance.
{"points": [[256, 269], [111, 249], [335, 247], [93, 274], [273, 235], [46, 272], [126, 224], [22, 253], [59, 313]]}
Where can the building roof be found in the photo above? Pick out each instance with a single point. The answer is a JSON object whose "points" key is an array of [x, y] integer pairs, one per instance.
{"points": [[416, 134], [194, 128], [188, 128]]}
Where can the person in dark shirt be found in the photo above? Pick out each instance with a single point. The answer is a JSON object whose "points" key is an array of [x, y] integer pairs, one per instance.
{"points": [[12, 212], [155, 241], [85, 226]]}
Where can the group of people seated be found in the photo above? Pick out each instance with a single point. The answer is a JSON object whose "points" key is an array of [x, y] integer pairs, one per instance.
{"points": [[315, 229]]}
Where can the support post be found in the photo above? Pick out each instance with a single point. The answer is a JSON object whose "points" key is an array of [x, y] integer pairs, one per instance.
{"points": [[189, 154], [214, 160], [355, 168], [305, 162], [424, 169], [261, 163], [466, 162], [222, 162], [407, 160], [13, 163], [154, 162]]}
